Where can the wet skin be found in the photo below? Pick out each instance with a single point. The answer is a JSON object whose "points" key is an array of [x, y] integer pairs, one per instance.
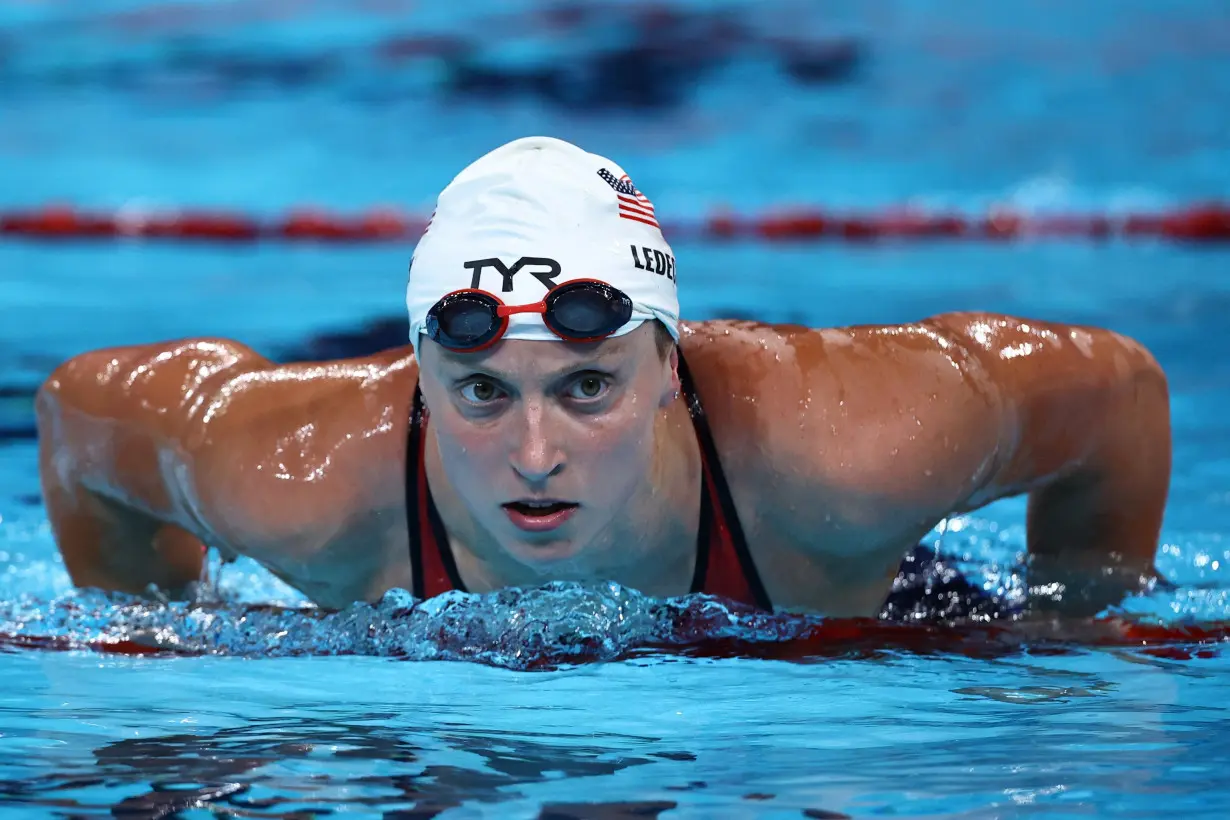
{"points": [[842, 447]]}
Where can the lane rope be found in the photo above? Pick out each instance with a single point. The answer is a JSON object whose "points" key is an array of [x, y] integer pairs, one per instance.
{"points": [[1202, 223]]}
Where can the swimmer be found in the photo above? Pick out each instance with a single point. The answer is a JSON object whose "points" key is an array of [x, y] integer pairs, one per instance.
{"points": [[552, 418]]}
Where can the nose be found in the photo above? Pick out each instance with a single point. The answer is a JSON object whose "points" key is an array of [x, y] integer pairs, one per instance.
{"points": [[535, 456]]}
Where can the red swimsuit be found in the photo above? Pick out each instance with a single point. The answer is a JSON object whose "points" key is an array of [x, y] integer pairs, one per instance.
{"points": [[724, 566]]}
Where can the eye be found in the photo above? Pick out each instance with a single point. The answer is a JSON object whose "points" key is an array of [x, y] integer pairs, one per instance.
{"points": [[588, 388], [480, 391]]}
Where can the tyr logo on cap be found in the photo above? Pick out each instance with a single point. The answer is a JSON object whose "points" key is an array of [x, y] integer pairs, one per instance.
{"points": [[546, 277]]}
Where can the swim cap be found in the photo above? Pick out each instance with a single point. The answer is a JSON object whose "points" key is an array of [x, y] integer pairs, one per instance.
{"points": [[536, 213]]}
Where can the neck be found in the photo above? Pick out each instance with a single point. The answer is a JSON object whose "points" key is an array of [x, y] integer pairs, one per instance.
{"points": [[650, 546]]}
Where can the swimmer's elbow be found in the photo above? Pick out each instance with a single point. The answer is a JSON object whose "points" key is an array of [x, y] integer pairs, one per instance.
{"points": [[46, 406], [1071, 400], [49, 397], [122, 421], [56, 401], [1142, 370]]}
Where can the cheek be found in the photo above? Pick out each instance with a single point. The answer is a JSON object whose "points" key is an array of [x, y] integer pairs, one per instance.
{"points": [[467, 452], [615, 453]]}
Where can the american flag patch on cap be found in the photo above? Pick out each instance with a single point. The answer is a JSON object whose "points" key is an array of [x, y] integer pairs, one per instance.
{"points": [[632, 203]]}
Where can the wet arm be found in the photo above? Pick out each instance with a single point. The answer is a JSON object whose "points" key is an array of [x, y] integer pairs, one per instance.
{"points": [[1087, 436], [112, 426]]}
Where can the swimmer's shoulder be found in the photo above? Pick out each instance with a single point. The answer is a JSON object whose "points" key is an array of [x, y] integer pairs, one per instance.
{"points": [[852, 416], [896, 411], [226, 414], [753, 379], [189, 372], [330, 426]]}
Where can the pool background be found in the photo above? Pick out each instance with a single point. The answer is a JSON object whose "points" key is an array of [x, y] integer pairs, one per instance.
{"points": [[1105, 106]]}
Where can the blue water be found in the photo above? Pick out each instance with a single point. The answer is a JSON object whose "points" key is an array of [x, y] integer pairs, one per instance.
{"points": [[532, 704]]}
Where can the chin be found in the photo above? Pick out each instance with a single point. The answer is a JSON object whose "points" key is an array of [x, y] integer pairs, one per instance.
{"points": [[544, 553]]}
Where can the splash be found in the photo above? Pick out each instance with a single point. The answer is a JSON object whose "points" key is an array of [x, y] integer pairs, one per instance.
{"points": [[549, 627], [556, 624], [965, 598]]}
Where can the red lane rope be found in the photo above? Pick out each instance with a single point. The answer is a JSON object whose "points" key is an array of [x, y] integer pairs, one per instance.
{"points": [[1197, 223]]}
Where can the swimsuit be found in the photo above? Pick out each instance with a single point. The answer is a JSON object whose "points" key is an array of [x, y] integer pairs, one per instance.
{"points": [[724, 567]]}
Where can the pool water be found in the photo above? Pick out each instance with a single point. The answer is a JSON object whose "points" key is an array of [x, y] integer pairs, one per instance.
{"points": [[569, 702]]}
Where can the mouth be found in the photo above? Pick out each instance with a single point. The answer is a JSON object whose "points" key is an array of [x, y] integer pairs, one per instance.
{"points": [[539, 515]]}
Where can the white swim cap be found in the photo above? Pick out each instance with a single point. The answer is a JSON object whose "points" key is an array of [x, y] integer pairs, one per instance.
{"points": [[536, 213]]}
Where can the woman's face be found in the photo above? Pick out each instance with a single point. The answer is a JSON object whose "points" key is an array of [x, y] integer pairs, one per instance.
{"points": [[546, 442]]}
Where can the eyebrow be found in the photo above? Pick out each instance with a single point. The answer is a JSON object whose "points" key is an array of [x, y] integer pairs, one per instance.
{"points": [[593, 362]]}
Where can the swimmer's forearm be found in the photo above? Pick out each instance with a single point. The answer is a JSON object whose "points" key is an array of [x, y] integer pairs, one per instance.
{"points": [[108, 547], [1093, 534], [105, 543]]}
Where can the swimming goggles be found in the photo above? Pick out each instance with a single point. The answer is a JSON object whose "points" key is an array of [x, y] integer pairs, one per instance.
{"points": [[584, 310]]}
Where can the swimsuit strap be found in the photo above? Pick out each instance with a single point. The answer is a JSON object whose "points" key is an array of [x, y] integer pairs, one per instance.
{"points": [[431, 560], [724, 565]]}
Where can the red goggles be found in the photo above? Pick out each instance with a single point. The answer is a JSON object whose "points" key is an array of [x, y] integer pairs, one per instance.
{"points": [[584, 310]]}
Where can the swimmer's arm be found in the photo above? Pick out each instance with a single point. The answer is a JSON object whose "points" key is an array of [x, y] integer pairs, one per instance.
{"points": [[1085, 431], [114, 426]]}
